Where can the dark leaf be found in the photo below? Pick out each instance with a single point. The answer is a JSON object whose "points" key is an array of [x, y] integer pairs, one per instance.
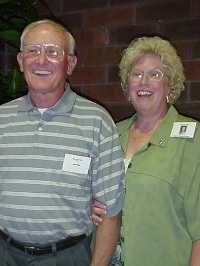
{"points": [[11, 36]]}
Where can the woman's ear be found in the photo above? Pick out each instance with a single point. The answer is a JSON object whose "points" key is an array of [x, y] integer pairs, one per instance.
{"points": [[72, 61]]}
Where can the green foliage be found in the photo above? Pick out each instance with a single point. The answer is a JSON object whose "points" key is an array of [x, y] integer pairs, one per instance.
{"points": [[14, 16], [12, 85]]}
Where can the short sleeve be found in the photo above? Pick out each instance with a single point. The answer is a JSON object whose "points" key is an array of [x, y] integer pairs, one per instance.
{"points": [[108, 170], [192, 205]]}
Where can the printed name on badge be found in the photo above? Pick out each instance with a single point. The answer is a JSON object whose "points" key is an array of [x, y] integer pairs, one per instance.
{"points": [[76, 164], [183, 130]]}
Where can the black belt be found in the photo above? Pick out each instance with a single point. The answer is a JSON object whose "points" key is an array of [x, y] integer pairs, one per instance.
{"points": [[42, 250]]}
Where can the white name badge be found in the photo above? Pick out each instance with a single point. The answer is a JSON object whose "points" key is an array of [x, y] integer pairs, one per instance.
{"points": [[76, 164], [183, 130]]}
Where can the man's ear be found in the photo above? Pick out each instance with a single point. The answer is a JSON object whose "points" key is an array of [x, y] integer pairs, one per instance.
{"points": [[72, 61], [20, 61]]}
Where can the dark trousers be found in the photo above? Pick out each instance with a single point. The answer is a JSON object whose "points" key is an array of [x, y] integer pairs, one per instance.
{"points": [[77, 255]]}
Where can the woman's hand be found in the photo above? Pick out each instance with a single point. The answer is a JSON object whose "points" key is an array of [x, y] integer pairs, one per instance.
{"points": [[98, 212]]}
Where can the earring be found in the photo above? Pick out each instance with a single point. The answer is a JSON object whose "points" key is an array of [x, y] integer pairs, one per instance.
{"points": [[129, 99], [167, 99]]}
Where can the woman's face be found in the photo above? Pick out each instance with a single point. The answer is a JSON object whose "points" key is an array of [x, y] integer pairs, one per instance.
{"points": [[148, 85]]}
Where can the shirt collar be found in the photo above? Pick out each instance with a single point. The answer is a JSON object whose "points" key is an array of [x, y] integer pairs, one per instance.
{"points": [[162, 135], [63, 106]]}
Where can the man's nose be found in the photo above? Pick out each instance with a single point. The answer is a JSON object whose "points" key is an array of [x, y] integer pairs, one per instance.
{"points": [[42, 57]]}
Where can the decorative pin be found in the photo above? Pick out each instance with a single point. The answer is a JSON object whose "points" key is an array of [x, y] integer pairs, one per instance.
{"points": [[162, 141]]}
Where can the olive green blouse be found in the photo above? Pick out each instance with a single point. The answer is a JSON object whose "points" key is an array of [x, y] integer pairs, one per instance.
{"points": [[161, 215]]}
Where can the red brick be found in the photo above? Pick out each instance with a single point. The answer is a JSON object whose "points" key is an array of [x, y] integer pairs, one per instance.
{"points": [[184, 29], [119, 111], [120, 2], [105, 93], [83, 4], [113, 74], [102, 56], [49, 7], [190, 109], [196, 8], [124, 34], [113, 16], [88, 75], [164, 10], [192, 70], [196, 49], [94, 37], [195, 91], [72, 21], [184, 97], [183, 48], [188, 49]]}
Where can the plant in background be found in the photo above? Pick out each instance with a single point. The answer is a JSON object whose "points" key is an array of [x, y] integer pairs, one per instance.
{"points": [[14, 16]]}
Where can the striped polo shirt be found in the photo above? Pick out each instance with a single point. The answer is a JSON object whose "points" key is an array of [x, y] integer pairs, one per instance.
{"points": [[44, 196]]}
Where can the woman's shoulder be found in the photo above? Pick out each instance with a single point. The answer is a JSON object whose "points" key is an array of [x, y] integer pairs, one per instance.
{"points": [[192, 143], [185, 118]]}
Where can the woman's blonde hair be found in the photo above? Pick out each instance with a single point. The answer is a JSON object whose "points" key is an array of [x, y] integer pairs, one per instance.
{"points": [[169, 58]]}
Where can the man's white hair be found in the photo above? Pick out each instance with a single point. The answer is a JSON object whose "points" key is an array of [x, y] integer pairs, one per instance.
{"points": [[69, 38]]}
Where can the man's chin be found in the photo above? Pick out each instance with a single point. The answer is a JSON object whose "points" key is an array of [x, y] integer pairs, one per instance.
{"points": [[40, 89]]}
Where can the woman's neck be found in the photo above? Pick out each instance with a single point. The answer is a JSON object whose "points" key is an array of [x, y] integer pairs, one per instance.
{"points": [[146, 122]]}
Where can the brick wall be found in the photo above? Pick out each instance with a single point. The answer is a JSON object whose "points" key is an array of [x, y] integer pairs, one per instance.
{"points": [[103, 28]]}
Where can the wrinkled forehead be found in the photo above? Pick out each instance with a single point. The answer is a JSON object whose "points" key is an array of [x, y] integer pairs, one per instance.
{"points": [[45, 33]]}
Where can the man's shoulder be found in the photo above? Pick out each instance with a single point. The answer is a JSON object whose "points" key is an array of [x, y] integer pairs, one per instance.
{"points": [[12, 104], [85, 102], [90, 107]]}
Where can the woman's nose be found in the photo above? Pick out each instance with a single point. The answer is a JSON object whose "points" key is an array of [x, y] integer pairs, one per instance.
{"points": [[145, 78]]}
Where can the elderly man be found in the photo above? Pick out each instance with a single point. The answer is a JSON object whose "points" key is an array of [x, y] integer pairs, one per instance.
{"points": [[58, 151]]}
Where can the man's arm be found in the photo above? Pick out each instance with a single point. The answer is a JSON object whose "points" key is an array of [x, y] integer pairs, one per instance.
{"points": [[107, 235], [195, 256]]}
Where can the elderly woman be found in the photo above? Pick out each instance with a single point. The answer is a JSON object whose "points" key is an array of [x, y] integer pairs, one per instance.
{"points": [[161, 215]]}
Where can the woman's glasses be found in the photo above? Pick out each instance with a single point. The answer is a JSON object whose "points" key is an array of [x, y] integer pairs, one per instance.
{"points": [[152, 75]]}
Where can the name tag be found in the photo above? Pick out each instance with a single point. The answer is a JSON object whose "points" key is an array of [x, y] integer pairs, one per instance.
{"points": [[183, 130], [76, 164]]}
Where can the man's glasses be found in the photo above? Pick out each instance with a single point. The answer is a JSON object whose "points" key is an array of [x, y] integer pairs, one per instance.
{"points": [[152, 75], [53, 51]]}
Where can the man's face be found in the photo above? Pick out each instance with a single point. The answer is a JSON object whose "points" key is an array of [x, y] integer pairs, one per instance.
{"points": [[44, 73]]}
